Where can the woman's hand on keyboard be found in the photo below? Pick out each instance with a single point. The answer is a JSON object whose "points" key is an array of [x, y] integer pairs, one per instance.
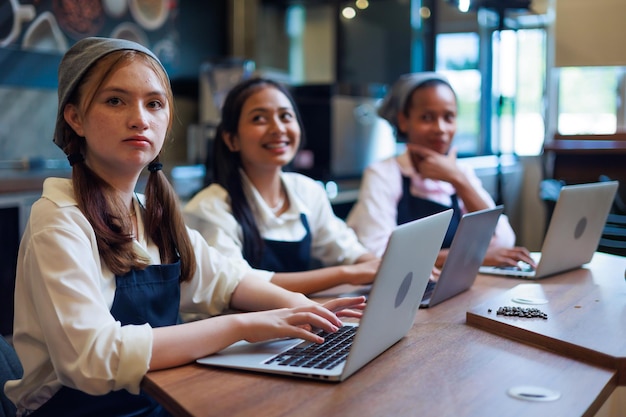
{"points": [[346, 306], [508, 256], [298, 322], [434, 275]]}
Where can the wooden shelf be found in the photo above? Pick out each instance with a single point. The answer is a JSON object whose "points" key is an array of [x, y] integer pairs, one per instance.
{"points": [[583, 158], [578, 146]]}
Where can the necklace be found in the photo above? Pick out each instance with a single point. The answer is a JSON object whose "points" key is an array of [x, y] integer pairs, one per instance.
{"points": [[133, 221], [281, 203]]}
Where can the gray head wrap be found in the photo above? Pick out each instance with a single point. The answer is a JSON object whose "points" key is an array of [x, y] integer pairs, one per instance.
{"points": [[396, 98], [75, 63]]}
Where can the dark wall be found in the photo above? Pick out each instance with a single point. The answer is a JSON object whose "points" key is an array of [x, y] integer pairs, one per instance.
{"points": [[375, 47], [203, 28], [192, 32]]}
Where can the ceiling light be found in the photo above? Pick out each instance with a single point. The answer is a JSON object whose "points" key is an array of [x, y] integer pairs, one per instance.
{"points": [[348, 12], [464, 5], [362, 4]]}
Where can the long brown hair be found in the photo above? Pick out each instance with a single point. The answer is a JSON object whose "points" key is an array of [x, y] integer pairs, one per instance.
{"points": [[97, 199]]}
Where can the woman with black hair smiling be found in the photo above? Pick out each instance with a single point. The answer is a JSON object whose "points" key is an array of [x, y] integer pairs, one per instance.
{"points": [[278, 221]]}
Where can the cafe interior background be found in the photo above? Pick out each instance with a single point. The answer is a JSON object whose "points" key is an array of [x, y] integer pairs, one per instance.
{"points": [[524, 72]]}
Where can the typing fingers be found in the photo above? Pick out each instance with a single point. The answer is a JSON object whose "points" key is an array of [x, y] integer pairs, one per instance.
{"points": [[521, 254]]}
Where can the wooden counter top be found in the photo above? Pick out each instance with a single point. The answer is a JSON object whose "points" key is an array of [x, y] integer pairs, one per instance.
{"points": [[16, 181], [437, 370], [585, 309], [442, 367]]}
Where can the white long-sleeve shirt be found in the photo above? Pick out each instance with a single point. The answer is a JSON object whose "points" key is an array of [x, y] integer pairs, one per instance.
{"points": [[374, 215], [64, 332], [333, 242]]}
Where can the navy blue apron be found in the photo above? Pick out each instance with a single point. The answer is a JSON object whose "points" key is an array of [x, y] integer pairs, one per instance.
{"points": [[144, 296], [411, 208], [279, 256]]}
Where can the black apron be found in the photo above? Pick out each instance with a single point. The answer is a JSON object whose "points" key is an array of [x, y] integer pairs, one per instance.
{"points": [[412, 208], [280, 256], [149, 296]]}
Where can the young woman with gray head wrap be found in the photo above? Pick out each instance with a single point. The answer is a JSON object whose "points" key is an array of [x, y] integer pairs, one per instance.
{"points": [[427, 177], [103, 272]]}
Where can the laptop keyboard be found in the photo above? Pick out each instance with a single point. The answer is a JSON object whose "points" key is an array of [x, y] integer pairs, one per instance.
{"points": [[326, 355]]}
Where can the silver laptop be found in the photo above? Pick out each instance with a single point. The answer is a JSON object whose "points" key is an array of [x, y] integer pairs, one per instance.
{"points": [[574, 232], [465, 256], [390, 312]]}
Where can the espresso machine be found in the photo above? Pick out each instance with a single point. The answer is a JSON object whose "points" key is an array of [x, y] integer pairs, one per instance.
{"points": [[216, 80], [344, 133]]}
